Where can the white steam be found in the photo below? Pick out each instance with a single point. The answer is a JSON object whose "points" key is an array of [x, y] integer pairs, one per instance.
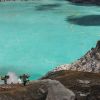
{"points": [[13, 78]]}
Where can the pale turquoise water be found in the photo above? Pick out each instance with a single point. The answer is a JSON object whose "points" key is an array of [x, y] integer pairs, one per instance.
{"points": [[35, 41]]}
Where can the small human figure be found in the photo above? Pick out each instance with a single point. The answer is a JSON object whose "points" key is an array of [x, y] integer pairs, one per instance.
{"points": [[5, 78], [24, 78]]}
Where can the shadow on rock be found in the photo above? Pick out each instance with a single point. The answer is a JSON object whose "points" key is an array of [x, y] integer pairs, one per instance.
{"points": [[85, 2], [47, 7], [90, 20]]}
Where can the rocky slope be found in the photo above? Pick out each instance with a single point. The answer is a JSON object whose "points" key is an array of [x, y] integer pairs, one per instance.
{"points": [[85, 85], [90, 62]]}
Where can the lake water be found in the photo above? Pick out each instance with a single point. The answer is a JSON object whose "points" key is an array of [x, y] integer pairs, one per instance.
{"points": [[36, 36]]}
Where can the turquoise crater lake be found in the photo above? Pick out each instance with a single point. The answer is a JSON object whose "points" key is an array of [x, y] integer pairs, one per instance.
{"points": [[36, 36]]}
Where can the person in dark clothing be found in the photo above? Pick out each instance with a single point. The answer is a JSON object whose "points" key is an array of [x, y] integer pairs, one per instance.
{"points": [[5, 78], [24, 78]]}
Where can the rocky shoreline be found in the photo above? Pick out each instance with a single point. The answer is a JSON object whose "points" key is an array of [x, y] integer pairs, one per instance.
{"points": [[90, 62]]}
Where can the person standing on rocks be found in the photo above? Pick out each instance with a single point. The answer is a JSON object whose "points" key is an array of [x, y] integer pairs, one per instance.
{"points": [[24, 78], [5, 78]]}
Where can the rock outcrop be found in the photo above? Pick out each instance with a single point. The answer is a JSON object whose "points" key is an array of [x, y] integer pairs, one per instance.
{"points": [[56, 91], [90, 62]]}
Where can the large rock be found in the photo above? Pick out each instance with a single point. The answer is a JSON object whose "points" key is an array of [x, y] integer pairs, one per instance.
{"points": [[56, 91]]}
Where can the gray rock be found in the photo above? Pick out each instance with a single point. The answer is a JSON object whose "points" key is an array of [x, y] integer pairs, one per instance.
{"points": [[56, 91]]}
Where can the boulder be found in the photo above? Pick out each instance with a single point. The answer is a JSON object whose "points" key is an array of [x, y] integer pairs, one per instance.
{"points": [[56, 91]]}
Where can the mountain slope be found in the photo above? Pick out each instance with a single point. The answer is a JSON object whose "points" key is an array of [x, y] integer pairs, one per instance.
{"points": [[90, 62]]}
